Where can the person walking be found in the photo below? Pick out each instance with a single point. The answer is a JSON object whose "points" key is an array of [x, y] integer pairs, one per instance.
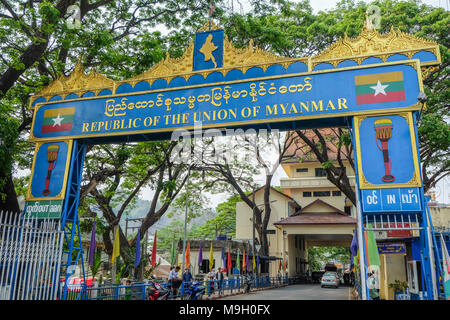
{"points": [[187, 276], [174, 280], [373, 287], [211, 276]]}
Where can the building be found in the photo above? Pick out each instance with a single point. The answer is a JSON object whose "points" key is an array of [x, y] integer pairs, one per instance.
{"points": [[308, 211]]}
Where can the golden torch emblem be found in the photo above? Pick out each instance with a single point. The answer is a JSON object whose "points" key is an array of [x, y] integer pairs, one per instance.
{"points": [[383, 131]]}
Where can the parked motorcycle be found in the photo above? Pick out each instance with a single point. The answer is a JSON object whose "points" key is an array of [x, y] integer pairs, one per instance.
{"points": [[157, 292], [194, 291]]}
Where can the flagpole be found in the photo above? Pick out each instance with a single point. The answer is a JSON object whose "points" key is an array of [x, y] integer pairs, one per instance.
{"points": [[113, 271], [185, 219], [361, 248]]}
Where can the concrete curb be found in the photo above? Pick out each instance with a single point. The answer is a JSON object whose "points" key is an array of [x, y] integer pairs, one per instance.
{"points": [[239, 293]]}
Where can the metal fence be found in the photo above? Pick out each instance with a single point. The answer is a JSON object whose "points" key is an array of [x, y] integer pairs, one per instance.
{"points": [[30, 257], [140, 291]]}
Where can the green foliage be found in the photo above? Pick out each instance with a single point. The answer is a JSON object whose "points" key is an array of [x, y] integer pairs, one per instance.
{"points": [[8, 146], [223, 223], [96, 265], [317, 256], [327, 164], [398, 285]]}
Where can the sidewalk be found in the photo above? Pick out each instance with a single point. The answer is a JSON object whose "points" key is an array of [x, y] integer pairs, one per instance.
{"points": [[241, 291]]}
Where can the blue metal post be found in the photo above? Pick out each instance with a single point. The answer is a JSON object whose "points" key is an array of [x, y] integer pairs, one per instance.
{"points": [[69, 219], [429, 269], [360, 226]]}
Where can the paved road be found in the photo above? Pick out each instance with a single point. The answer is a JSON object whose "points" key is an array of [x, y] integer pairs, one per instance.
{"points": [[296, 292]]}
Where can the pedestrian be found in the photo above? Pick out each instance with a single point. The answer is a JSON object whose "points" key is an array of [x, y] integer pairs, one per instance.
{"points": [[373, 288], [187, 276], [211, 276], [128, 290], [219, 277]]}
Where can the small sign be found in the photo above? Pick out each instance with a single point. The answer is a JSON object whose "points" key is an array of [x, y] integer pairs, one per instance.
{"points": [[391, 248], [44, 209], [391, 200]]}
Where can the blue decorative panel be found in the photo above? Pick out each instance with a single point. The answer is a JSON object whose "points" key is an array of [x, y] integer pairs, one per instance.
{"points": [[208, 50]]}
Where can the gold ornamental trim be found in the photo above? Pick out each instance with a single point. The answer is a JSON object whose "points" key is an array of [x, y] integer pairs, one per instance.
{"points": [[77, 82], [370, 43]]}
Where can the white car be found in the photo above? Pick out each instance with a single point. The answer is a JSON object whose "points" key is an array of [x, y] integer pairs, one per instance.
{"points": [[330, 279]]}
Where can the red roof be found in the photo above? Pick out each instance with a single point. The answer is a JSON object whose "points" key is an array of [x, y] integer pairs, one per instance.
{"points": [[300, 150]]}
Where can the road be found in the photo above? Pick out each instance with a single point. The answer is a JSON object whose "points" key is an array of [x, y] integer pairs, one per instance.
{"points": [[296, 292]]}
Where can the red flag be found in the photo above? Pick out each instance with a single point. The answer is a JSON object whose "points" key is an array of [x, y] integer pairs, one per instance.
{"points": [[153, 260], [188, 256], [229, 259]]}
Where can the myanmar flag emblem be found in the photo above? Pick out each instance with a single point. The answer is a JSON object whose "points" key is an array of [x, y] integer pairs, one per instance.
{"points": [[56, 120], [380, 87]]}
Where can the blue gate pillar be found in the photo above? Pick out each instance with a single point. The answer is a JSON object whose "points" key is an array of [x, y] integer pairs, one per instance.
{"points": [[70, 222]]}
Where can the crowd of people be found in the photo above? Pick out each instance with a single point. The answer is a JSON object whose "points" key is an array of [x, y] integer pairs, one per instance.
{"points": [[215, 278]]}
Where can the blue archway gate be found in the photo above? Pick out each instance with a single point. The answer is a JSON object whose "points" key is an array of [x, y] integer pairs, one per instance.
{"points": [[369, 84]]}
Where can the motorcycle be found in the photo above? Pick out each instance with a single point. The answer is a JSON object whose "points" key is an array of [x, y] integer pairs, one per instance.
{"points": [[157, 292], [194, 291]]}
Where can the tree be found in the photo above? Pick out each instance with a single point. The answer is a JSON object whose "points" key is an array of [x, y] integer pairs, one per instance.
{"points": [[232, 165], [39, 41], [222, 224], [318, 256], [135, 166]]}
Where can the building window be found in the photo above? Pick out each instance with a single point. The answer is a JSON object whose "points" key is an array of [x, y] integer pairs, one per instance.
{"points": [[348, 210], [301, 169], [336, 194], [321, 172], [204, 267], [321, 193], [344, 169], [264, 266], [306, 194]]}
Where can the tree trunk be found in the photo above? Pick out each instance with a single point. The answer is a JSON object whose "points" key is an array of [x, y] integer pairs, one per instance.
{"points": [[10, 203]]}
